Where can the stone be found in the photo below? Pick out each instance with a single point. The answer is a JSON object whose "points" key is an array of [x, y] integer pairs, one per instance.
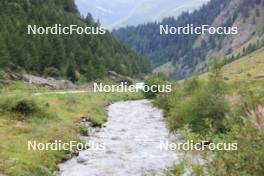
{"points": [[80, 159]]}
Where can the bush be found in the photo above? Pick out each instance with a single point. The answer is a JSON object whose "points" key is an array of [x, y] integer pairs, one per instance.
{"points": [[154, 79], [176, 169], [192, 84], [200, 110], [52, 72], [248, 159], [19, 105], [24, 107], [200, 104], [97, 120], [84, 130], [1, 76]]}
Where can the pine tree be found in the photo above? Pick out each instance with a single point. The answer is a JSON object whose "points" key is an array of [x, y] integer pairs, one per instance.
{"points": [[59, 53], [69, 5], [4, 55], [50, 54], [71, 69]]}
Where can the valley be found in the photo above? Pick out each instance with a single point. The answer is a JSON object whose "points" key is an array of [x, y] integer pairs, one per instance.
{"points": [[192, 53], [215, 94]]}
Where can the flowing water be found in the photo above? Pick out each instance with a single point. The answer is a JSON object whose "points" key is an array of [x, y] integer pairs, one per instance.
{"points": [[132, 138]]}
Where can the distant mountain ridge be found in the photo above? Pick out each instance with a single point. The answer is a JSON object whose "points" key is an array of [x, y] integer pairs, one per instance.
{"points": [[182, 55], [121, 13]]}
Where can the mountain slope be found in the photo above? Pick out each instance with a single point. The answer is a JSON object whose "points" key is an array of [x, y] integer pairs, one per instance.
{"points": [[249, 66], [120, 13], [85, 56], [187, 54]]}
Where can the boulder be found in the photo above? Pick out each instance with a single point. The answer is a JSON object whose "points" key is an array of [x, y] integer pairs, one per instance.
{"points": [[80, 159], [118, 78], [51, 83]]}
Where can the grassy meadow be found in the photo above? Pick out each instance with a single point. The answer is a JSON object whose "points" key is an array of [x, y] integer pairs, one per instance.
{"points": [[46, 118]]}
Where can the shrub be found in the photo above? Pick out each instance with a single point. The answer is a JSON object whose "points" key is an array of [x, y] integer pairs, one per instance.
{"points": [[154, 79], [248, 159], [19, 105], [177, 170], [52, 72], [97, 120], [1, 75], [200, 104], [24, 107], [192, 84], [84, 130]]}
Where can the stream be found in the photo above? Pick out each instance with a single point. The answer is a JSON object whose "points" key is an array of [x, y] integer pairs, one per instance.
{"points": [[131, 138]]}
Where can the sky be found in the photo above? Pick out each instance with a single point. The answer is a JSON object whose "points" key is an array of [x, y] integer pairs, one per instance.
{"points": [[121, 13]]}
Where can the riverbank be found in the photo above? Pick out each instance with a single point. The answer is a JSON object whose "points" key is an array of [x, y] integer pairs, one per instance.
{"points": [[64, 112]]}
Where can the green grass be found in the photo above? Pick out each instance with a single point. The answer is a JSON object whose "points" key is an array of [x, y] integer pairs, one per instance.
{"points": [[244, 69], [248, 66], [64, 112], [242, 122], [84, 130]]}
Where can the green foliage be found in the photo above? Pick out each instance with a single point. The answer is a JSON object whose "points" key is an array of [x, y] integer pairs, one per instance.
{"points": [[71, 72], [154, 80], [248, 159], [1, 76], [162, 49], [84, 130], [146, 38], [97, 120], [69, 5], [71, 101], [197, 170], [192, 84], [24, 108], [49, 55], [200, 104], [52, 72], [176, 170], [203, 106]]}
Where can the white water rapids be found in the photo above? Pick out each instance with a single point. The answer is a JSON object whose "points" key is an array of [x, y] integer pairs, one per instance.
{"points": [[131, 138]]}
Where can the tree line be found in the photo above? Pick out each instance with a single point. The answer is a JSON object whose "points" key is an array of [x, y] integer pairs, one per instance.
{"points": [[72, 56]]}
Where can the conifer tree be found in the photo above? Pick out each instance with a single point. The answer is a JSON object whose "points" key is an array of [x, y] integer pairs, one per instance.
{"points": [[71, 69]]}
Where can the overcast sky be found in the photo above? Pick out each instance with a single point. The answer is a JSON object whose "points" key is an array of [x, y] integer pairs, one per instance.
{"points": [[119, 13]]}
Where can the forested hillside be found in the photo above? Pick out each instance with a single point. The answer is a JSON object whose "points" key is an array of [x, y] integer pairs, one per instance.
{"points": [[72, 56], [186, 54]]}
